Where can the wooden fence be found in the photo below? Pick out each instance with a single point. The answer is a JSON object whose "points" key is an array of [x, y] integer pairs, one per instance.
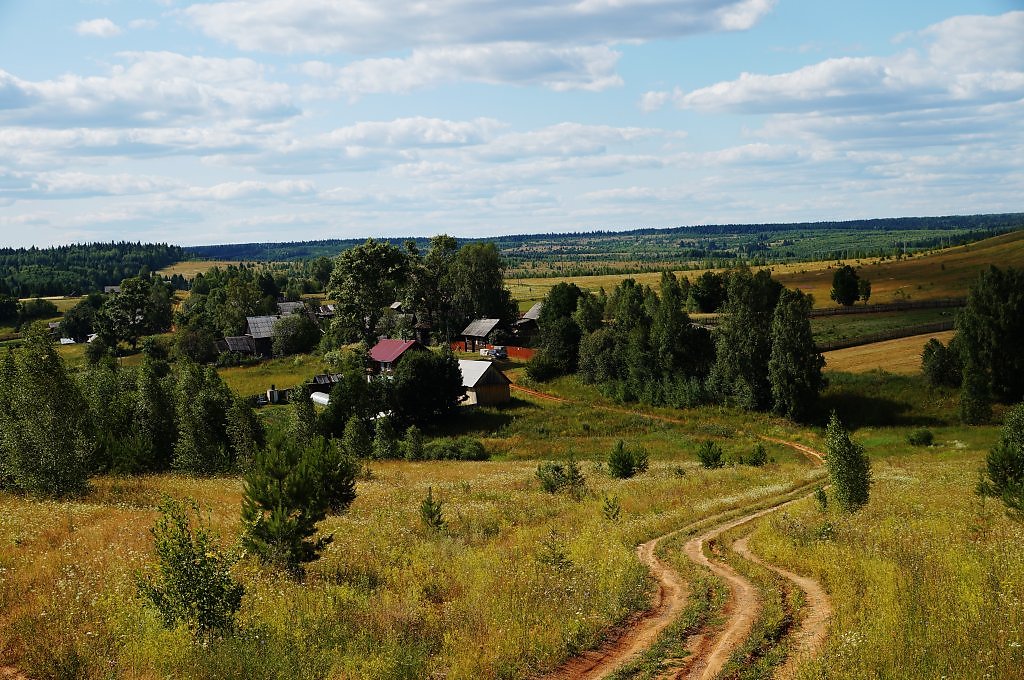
{"points": [[905, 332], [891, 307]]}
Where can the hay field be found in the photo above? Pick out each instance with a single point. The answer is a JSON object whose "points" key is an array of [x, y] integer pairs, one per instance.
{"points": [[940, 274], [189, 268], [902, 355]]}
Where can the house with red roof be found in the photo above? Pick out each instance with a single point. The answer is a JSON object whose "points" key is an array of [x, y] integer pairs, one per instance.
{"points": [[386, 353]]}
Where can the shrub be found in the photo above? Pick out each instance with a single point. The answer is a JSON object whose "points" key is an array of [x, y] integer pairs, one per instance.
{"points": [[625, 462], [412, 444], [710, 455], [193, 583], [432, 512], [758, 457], [821, 498], [1003, 475], [555, 477], [611, 508], [458, 448], [385, 440], [921, 437]]}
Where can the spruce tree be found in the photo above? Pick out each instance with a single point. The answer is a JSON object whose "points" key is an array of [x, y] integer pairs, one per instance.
{"points": [[848, 467], [794, 367]]}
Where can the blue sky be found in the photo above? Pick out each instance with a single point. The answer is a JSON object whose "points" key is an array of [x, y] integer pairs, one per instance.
{"points": [[270, 120]]}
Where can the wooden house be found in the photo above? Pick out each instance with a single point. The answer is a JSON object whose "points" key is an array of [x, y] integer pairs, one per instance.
{"points": [[386, 353], [289, 308], [261, 330], [526, 326], [484, 383], [478, 332]]}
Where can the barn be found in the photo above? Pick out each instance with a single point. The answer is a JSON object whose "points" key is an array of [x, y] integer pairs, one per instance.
{"points": [[485, 384], [477, 333]]}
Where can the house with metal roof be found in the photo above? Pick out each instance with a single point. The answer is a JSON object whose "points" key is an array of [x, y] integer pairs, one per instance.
{"points": [[386, 353], [289, 308], [241, 344], [484, 383], [261, 330], [477, 333], [527, 324]]}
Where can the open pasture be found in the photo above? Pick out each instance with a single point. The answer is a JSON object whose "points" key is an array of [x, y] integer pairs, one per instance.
{"points": [[902, 355], [189, 268]]}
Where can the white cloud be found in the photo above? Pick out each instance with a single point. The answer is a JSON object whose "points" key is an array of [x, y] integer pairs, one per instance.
{"points": [[98, 28], [152, 89], [558, 68], [955, 70], [249, 189], [143, 24], [378, 26]]}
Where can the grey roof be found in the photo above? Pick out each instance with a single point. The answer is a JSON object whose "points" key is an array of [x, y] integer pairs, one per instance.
{"points": [[474, 371], [534, 312], [261, 326], [111, 289], [240, 343], [289, 308], [481, 328]]}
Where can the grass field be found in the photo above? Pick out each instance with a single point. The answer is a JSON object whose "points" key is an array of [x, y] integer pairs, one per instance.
{"points": [[850, 326], [941, 274], [895, 356], [519, 580], [284, 373]]}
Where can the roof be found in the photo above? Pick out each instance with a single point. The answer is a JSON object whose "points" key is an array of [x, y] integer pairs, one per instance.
{"points": [[534, 312], [326, 379], [473, 372], [481, 328], [240, 343], [386, 351], [289, 308], [111, 289], [397, 305], [261, 326]]}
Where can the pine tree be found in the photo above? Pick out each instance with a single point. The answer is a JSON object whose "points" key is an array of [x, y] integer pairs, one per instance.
{"points": [[282, 503], [848, 467], [432, 512], [1003, 476], [338, 472], [794, 367]]}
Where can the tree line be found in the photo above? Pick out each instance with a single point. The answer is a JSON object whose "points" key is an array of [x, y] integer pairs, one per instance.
{"points": [[80, 268], [638, 344]]}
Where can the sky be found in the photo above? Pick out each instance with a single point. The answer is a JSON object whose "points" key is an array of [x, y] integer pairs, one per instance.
{"points": [[232, 121]]}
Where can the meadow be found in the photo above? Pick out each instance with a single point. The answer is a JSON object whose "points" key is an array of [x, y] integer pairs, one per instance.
{"points": [[901, 356]]}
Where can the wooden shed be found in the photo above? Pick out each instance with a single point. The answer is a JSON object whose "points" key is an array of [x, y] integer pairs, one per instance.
{"points": [[484, 383]]}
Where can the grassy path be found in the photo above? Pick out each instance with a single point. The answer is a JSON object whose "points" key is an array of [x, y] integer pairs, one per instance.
{"points": [[709, 650]]}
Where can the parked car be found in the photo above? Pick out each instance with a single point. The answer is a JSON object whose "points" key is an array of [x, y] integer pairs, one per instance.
{"points": [[498, 352]]}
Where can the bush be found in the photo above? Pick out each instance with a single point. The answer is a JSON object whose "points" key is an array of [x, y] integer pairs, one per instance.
{"points": [[1003, 475], [193, 583], [848, 467], [412, 444], [543, 367], [624, 461], [710, 455], [555, 477], [611, 508], [921, 437], [460, 448], [758, 457]]}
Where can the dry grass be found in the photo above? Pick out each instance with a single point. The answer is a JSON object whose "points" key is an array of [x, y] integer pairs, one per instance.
{"points": [[946, 273], [895, 356], [189, 268]]}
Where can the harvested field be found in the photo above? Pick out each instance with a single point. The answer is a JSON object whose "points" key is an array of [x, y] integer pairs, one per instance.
{"points": [[895, 356]]}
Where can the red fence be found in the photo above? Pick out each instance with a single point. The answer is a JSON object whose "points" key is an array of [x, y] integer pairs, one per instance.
{"points": [[524, 353]]}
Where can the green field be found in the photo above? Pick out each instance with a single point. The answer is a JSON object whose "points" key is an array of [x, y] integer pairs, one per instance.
{"points": [[852, 326]]}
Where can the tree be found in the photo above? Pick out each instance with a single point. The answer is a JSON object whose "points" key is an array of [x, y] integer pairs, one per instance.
{"points": [[141, 307], [848, 467], [425, 386], [989, 331], [975, 396], [477, 282], [201, 403], [412, 443], [385, 439], [356, 439], [246, 434], [192, 583], [864, 290], [8, 309], [295, 334], [46, 441], [432, 512], [846, 286], [78, 321], [366, 279], [282, 503], [351, 395], [195, 343], [1003, 475], [303, 428], [794, 367], [941, 364], [626, 461], [743, 340], [707, 292], [154, 418]]}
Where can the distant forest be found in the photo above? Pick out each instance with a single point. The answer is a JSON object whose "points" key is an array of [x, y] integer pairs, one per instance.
{"points": [[655, 249], [80, 268]]}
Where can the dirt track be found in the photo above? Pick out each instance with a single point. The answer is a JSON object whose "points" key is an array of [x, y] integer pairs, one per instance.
{"points": [[709, 651]]}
